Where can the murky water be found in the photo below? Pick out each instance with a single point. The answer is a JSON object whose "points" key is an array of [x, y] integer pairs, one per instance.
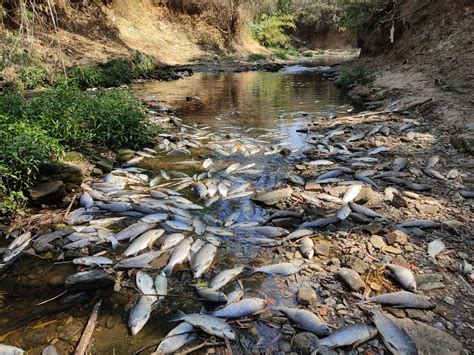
{"points": [[268, 107]]}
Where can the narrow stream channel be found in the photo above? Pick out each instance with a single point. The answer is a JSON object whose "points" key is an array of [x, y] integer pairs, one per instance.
{"points": [[245, 109]]}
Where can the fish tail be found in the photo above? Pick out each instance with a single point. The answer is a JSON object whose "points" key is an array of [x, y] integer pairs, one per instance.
{"points": [[167, 270], [178, 317]]}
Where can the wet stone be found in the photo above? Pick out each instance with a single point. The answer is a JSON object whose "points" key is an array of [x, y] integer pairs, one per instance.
{"points": [[305, 342], [306, 296], [56, 280]]}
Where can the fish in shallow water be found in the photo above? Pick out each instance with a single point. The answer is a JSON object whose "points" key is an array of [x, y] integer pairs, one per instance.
{"points": [[179, 255], [283, 269], [211, 295], [144, 241], [209, 324], [243, 308], [224, 277], [201, 261], [140, 313], [353, 334], [176, 339], [134, 230], [92, 261]]}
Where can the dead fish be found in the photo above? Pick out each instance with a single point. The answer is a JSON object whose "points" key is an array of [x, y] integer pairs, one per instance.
{"points": [[201, 261], [304, 319], [343, 212], [394, 337], [353, 334], [223, 189], [92, 261], [211, 295], [224, 277], [145, 240], [176, 339], [364, 210], [330, 174], [243, 308], [49, 350], [268, 231], [161, 285], [86, 200], [432, 161], [320, 162], [296, 179], [297, 234], [327, 197], [233, 167], [155, 218], [467, 194], [115, 206], [200, 189], [140, 261], [20, 240], [179, 226], [434, 174], [356, 137], [207, 163], [404, 276], [402, 299], [374, 130], [378, 150], [420, 223], [144, 283], [405, 126], [209, 324], [436, 247], [320, 222], [179, 255], [400, 163], [238, 195], [10, 350], [171, 240], [306, 247], [134, 230], [351, 193], [140, 314], [416, 187], [283, 269]]}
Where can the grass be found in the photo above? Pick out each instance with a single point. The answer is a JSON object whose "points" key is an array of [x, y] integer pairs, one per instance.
{"points": [[253, 57], [358, 74], [285, 53]]}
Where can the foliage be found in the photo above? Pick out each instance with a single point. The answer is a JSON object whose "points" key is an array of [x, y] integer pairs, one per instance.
{"points": [[229, 58], [284, 53], [253, 57], [33, 76], [11, 203], [359, 73], [143, 64], [23, 147], [307, 54], [354, 14], [270, 29]]}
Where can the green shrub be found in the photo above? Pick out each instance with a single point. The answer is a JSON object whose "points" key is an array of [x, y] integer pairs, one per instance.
{"points": [[308, 54], [11, 203], [355, 14], [253, 57], [270, 30], [359, 73], [229, 58], [143, 64], [86, 76], [283, 53], [33, 77], [23, 148]]}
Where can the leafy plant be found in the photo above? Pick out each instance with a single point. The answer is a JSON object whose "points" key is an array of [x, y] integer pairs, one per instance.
{"points": [[354, 14], [253, 57], [284, 53], [11, 203], [359, 73], [270, 29], [143, 64], [33, 77]]}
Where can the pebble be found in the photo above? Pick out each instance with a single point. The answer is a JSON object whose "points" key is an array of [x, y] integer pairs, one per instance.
{"points": [[420, 315], [306, 342], [449, 300], [354, 263], [396, 236], [377, 241], [284, 346], [393, 250], [322, 247], [306, 296]]}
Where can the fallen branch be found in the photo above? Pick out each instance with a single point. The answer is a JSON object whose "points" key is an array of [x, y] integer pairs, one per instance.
{"points": [[52, 299], [86, 337], [200, 346]]}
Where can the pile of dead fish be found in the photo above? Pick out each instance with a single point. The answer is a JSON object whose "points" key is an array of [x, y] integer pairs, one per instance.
{"points": [[135, 217]]}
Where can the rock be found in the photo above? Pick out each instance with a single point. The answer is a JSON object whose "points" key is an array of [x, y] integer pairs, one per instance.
{"points": [[306, 296], [67, 173], [48, 192], [396, 236], [428, 339], [351, 278], [273, 197], [105, 164], [397, 312], [285, 152], [305, 342], [178, 153], [96, 172], [284, 346], [125, 154], [313, 186], [398, 201], [354, 263], [373, 228], [112, 320], [377, 241], [368, 197], [322, 247], [393, 250], [427, 209], [449, 300], [421, 315], [57, 280], [463, 142], [429, 281], [88, 280], [335, 190]]}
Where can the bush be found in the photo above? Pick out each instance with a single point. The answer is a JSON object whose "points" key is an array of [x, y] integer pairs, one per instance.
{"points": [[354, 14], [255, 56], [144, 64], [359, 73], [283, 53], [270, 30], [33, 77], [23, 148]]}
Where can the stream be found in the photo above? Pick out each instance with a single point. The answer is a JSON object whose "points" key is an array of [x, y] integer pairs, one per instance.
{"points": [[255, 108]]}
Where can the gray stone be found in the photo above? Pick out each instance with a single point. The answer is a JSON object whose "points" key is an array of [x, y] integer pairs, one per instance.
{"points": [[61, 171], [306, 296], [396, 236], [48, 192], [284, 346], [377, 241], [87, 280], [105, 165], [354, 263], [306, 342], [449, 300]]}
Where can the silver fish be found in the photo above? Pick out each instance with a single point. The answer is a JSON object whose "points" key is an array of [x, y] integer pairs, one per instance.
{"points": [[140, 261], [86, 200], [171, 240], [343, 212], [201, 261], [403, 299], [92, 260], [161, 285], [209, 324], [200, 189], [353, 334], [243, 308], [10, 350], [179, 255], [299, 233], [400, 163], [351, 193], [394, 337], [176, 339], [140, 313], [224, 277], [436, 247], [420, 223], [179, 226], [211, 295], [144, 241], [268, 231], [364, 210], [320, 222], [330, 174], [155, 218], [284, 269], [432, 161], [134, 230], [305, 320], [405, 277]]}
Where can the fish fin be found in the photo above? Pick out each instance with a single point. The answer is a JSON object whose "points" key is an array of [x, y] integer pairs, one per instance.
{"points": [[167, 270], [178, 317]]}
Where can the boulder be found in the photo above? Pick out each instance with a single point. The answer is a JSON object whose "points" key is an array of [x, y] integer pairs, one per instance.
{"points": [[51, 192]]}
